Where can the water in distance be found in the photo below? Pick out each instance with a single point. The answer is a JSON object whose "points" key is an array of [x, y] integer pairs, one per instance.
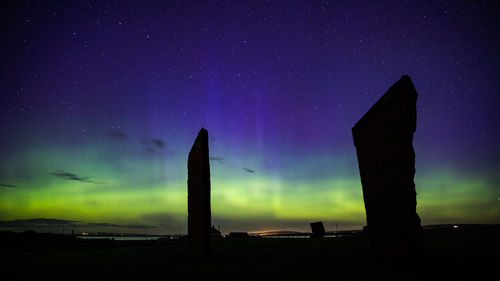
{"points": [[123, 238]]}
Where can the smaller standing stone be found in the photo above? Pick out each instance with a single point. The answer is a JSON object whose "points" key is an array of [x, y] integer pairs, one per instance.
{"points": [[318, 230]]}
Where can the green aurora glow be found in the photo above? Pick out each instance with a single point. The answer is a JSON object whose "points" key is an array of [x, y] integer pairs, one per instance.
{"points": [[240, 200], [101, 101]]}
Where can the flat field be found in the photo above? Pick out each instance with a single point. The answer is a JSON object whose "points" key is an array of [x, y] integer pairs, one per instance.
{"points": [[446, 257]]}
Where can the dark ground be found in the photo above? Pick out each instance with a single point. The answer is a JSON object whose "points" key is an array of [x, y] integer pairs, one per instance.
{"points": [[447, 256]]}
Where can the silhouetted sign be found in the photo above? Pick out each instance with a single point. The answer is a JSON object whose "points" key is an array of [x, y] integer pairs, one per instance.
{"points": [[318, 230]]}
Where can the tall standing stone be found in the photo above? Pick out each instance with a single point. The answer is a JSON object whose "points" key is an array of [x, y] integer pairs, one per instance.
{"points": [[383, 139], [199, 217]]}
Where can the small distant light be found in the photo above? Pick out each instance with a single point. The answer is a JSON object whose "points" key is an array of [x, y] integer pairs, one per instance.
{"points": [[455, 226]]}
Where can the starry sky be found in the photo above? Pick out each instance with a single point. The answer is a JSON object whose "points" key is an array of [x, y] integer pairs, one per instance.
{"points": [[100, 102]]}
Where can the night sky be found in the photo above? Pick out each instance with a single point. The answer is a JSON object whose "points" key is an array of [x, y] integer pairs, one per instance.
{"points": [[100, 102]]}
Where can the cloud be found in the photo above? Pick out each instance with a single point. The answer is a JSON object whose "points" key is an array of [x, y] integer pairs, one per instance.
{"points": [[173, 222], [7, 185], [48, 222], [218, 159], [105, 224], [158, 143], [137, 226], [164, 218], [70, 176], [248, 170], [101, 224], [154, 145], [44, 222], [117, 134], [34, 222]]}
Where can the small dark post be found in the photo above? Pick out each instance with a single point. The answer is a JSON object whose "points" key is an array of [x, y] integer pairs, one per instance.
{"points": [[386, 159], [199, 217], [318, 230]]}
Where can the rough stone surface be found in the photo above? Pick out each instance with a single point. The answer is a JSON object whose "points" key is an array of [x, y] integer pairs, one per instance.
{"points": [[199, 214], [386, 159]]}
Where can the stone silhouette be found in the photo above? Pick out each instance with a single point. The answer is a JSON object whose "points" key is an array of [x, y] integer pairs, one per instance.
{"points": [[199, 216], [318, 230], [383, 139]]}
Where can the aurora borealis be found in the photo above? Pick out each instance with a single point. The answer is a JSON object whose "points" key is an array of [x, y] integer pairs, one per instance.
{"points": [[101, 101]]}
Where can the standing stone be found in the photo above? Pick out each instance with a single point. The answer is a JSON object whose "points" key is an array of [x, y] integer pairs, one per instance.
{"points": [[199, 217], [386, 159]]}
